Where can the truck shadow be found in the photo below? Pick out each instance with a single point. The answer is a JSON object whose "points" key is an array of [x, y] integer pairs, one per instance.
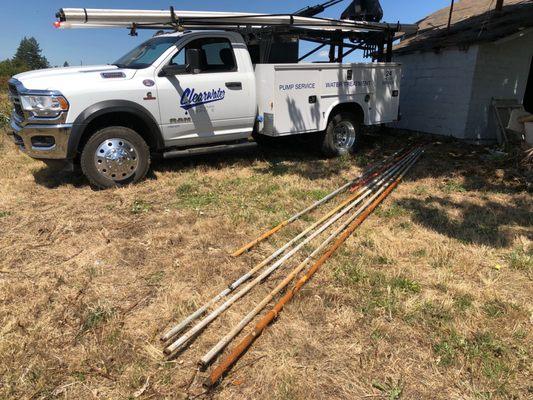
{"points": [[457, 190], [297, 155]]}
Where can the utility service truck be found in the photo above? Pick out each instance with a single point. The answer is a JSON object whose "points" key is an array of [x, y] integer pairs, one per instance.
{"points": [[230, 79]]}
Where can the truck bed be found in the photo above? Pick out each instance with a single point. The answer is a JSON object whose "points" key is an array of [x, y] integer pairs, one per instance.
{"points": [[298, 98]]}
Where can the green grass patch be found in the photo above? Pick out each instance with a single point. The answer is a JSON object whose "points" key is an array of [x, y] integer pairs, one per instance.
{"points": [[4, 214], [495, 308], [452, 186], [520, 260], [96, 316], [392, 390], [349, 273], [463, 302], [481, 349], [140, 207], [196, 195], [405, 285], [433, 315], [393, 211]]}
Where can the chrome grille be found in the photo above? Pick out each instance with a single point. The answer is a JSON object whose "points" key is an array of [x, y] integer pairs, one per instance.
{"points": [[15, 100], [12, 89], [18, 107]]}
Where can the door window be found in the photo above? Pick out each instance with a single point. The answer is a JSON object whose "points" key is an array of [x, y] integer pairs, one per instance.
{"points": [[216, 55]]}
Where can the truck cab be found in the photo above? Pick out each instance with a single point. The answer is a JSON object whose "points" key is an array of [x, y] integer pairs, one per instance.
{"points": [[152, 94]]}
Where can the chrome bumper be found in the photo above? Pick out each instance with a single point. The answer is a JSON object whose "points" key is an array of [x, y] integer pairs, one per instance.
{"points": [[27, 138]]}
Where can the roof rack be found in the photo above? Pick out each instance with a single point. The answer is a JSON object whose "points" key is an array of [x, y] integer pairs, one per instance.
{"points": [[371, 37]]}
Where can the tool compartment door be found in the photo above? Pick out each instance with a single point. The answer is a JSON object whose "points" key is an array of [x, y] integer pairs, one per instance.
{"points": [[296, 99]]}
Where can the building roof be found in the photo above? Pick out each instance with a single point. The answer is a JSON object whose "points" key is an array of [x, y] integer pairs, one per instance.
{"points": [[473, 21]]}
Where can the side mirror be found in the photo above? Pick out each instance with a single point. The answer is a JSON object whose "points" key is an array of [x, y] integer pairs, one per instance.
{"points": [[193, 60], [172, 69]]}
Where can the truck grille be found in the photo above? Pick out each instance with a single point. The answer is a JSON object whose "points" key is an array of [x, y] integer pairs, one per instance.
{"points": [[15, 100], [18, 108], [12, 89]]}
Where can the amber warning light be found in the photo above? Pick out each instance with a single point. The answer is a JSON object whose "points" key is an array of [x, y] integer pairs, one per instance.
{"points": [[57, 24]]}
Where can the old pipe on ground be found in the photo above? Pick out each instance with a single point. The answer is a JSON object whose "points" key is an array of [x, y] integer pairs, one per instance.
{"points": [[206, 359], [367, 183], [237, 352], [326, 198], [181, 341]]}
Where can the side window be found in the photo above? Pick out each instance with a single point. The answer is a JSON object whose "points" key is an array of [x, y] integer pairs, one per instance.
{"points": [[216, 55], [179, 58]]}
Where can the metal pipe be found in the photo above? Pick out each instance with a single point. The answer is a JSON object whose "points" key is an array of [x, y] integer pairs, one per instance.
{"points": [[206, 359], [326, 198], [87, 17], [179, 327], [245, 343], [176, 345], [450, 16]]}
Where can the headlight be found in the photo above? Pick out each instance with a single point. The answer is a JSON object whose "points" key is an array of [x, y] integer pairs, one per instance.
{"points": [[44, 106]]}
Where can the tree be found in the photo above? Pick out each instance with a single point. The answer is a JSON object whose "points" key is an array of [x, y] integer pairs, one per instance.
{"points": [[29, 53], [10, 67], [66, 64]]}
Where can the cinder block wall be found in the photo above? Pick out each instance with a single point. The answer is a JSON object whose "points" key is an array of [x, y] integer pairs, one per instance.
{"points": [[436, 89], [502, 70]]}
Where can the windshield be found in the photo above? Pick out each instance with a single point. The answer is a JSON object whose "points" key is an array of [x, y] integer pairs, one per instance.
{"points": [[146, 53]]}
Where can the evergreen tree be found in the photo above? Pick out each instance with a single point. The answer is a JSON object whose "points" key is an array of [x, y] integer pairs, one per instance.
{"points": [[29, 53], [66, 64]]}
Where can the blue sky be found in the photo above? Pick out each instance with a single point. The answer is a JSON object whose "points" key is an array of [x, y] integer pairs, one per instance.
{"points": [[96, 46]]}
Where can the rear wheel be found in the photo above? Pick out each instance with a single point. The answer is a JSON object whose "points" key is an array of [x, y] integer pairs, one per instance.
{"points": [[342, 134], [115, 156]]}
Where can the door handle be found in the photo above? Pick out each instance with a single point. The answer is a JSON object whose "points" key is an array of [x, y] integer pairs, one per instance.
{"points": [[234, 85]]}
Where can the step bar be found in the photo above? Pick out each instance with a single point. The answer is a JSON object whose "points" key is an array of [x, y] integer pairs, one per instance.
{"points": [[207, 149]]}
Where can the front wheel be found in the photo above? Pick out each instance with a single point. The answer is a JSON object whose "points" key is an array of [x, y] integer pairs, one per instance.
{"points": [[341, 135], [115, 156]]}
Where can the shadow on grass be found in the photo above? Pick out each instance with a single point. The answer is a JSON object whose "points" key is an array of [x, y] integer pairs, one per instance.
{"points": [[297, 155], [479, 223], [455, 168]]}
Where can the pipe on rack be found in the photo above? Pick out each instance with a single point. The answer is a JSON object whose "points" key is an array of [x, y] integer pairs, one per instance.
{"points": [[206, 359], [181, 341], [326, 198], [245, 343]]}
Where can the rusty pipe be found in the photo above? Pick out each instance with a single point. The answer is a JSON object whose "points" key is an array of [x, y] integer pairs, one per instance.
{"points": [[226, 291], [245, 343], [323, 200], [206, 359], [328, 219]]}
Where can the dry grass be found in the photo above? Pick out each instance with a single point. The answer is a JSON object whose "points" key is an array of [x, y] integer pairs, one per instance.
{"points": [[430, 299]]}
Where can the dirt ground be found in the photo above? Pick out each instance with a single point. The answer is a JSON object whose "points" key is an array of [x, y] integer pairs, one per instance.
{"points": [[431, 298]]}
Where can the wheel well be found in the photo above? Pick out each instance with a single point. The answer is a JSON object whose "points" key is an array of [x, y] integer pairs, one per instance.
{"points": [[126, 119], [353, 108]]}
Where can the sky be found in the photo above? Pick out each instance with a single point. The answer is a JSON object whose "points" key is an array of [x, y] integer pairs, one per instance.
{"points": [[101, 46]]}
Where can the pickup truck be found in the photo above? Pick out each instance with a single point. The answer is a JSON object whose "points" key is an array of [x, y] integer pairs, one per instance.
{"points": [[189, 92]]}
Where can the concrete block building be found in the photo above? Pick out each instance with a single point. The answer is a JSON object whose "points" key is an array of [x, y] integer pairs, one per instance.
{"points": [[453, 68]]}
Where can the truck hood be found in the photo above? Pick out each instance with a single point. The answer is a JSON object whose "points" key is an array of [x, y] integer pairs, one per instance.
{"points": [[58, 78]]}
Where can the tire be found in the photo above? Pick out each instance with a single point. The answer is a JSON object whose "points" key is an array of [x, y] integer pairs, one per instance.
{"points": [[341, 136], [115, 156]]}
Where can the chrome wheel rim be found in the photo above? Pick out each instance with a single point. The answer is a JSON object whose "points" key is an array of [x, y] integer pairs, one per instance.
{"points": [[344, 135], [116, 159]]}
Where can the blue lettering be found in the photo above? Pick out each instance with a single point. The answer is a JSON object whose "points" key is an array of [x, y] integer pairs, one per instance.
{"points": [[190, 98]]}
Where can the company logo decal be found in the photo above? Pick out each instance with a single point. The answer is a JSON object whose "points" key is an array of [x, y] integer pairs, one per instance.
{"points": [[149, 96], [190, 98]]}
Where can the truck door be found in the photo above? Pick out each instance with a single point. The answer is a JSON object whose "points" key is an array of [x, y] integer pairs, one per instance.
{"points": [[211, 105]]}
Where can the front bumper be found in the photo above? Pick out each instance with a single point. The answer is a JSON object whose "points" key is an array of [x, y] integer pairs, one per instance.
{"points": [[42, 141]]}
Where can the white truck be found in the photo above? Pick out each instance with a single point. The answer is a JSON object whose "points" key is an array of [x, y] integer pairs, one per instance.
{"points": [[189, 92]]}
